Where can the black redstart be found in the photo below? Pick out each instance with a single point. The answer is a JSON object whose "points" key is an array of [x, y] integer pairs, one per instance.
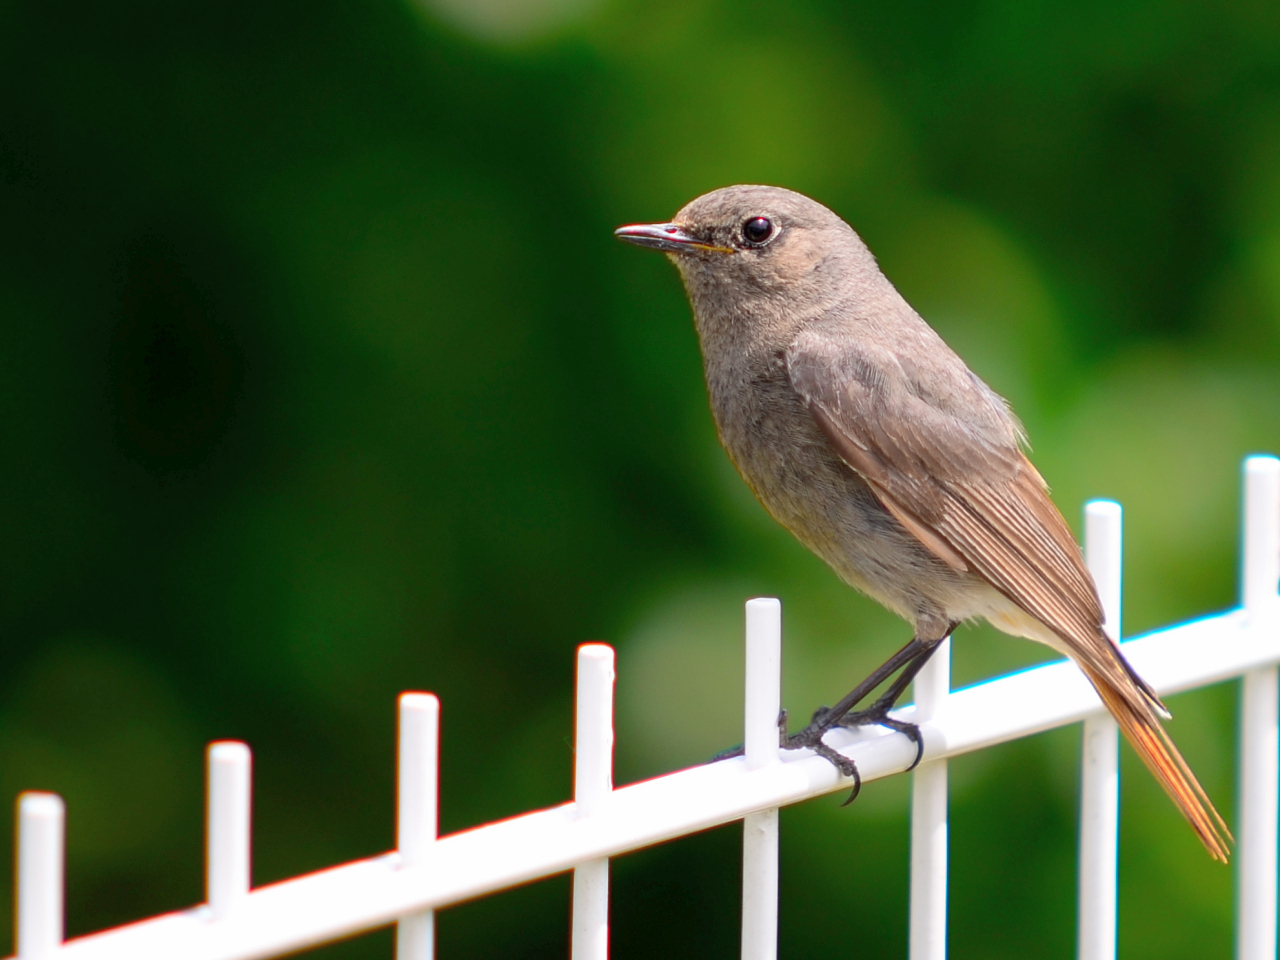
{"points": [[868, 438]]}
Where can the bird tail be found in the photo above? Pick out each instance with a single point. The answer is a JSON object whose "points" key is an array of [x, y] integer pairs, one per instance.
{"points": [[1141, 726]]}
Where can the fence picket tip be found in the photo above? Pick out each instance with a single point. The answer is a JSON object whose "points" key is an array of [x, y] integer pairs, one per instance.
{"points": [[592, 785], [40, 900], [417, 808], [761, 708], [1098, 848], [228, 826], [1257, 853]]}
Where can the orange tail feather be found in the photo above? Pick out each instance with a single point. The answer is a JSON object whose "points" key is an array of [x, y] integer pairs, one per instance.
{"points": [[1150, 741]]}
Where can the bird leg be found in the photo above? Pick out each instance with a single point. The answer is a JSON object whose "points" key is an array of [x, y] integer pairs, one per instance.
{"points": [[824, 718], [910, 659], [878, 712]]}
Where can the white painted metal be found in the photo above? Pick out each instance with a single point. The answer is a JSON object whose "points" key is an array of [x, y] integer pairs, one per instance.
{"points": [[1104, 555], [417, 801], [1260, 732], [368, 893], [228, 827], [927, 937], [762, 704], [763, 699], [760, 885], [1256, 851], [41, 828], [1261, 535], [359, 896], [1100, 755], [592, 785]]}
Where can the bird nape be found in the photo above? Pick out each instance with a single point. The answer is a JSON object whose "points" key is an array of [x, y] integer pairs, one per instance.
{"points": [[869, 439]]}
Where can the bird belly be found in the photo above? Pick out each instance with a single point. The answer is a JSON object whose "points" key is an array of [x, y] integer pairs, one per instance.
{"points": [[1007, 617]]}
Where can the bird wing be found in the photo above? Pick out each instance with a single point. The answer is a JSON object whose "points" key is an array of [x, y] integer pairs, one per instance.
{"points": [[960, 485], [965, 489]]}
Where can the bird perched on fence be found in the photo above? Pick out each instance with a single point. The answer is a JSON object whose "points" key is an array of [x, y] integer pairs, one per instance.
{"points": [[869, 439]]}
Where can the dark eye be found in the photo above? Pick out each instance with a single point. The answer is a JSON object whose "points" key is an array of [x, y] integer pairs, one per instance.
{"points": [[757, 230]]}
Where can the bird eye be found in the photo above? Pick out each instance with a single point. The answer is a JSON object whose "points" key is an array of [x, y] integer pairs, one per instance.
{"points": [[757, 230]]}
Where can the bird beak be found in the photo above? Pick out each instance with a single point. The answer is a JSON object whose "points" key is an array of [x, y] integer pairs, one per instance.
{"points": [[667, 237]]}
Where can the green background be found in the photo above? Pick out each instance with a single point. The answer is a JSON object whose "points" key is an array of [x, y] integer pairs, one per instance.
{"points": [[322, 378]]}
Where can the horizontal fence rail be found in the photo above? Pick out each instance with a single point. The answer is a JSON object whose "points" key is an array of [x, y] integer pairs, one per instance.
{"points": [[427, 872]]}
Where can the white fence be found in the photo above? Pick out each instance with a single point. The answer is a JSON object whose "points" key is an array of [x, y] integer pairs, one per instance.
{"points": [[427, 872]]}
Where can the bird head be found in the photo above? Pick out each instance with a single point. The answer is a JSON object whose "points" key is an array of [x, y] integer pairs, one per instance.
{"points": [[756, 243]]}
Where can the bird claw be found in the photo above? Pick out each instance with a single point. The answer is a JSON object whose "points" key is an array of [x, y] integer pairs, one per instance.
{"points": [[811, 738], [912, 733], [878, 715]]}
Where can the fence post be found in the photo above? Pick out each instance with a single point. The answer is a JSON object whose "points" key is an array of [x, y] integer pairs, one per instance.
{"points": [[763, 703], [1100, 753], [41, 832], [927, 939], [592, 784], [1259, 739], [228, 826], [417, 801]]}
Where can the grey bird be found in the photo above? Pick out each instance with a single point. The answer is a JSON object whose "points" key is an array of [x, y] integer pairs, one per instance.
{"points": [[869, 439]]}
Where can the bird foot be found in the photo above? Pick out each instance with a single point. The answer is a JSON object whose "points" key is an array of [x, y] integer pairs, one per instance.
{"points": [[824, 719], [811, 738], [878, 715]]}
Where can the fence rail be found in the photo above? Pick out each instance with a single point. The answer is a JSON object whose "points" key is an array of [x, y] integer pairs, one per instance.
{"points": [[427, 872]]}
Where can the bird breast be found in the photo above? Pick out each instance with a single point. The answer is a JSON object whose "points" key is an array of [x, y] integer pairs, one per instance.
{"points": [[777, 446]]}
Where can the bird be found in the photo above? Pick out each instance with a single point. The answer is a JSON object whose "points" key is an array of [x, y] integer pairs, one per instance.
{"points": [[867, 437]]}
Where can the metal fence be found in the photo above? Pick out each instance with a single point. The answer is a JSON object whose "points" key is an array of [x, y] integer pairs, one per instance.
{"points": [[427, 872]]}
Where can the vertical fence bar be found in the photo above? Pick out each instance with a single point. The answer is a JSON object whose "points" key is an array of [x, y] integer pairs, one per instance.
{"points": [[592, 784], [927, 938], [1260, 736], [227, 826], [1100, 754], [41, 829], [417, 793], [763, 703]]}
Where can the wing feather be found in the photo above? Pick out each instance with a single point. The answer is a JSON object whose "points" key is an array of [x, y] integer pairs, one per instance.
{"points": [[944, 459], [960, 484]]}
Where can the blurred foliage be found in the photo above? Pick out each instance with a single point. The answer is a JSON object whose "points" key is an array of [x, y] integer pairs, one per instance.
{"points": [[323, 379]]}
